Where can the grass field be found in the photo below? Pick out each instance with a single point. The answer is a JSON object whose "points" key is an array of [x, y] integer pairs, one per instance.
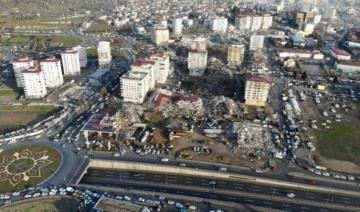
{"points": [[47, 171], [67, 41], [61, 204], [91, 53], [341, 142], [98, 28], [13, 116], [8, 92]]}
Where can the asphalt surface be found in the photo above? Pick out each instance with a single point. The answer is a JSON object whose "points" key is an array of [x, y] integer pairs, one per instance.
{"points": [[109, 175], [208, 194]]}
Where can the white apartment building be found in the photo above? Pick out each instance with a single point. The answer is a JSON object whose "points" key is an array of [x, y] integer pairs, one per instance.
{"points": [[256, 23], [257, 88], [134, 86], [177, 26], [256, 42], [160, 34], [19, 65], [82, 55], [235, 54], [243, 22], [197, 61], [145, 66], [162, 67], [70, 62], [267, 21], [198, 43], [219, 24], [51, 67], [33, 81], [104, 55]]}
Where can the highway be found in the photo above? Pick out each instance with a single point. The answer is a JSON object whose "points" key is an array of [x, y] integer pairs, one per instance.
{"points": [[230, 191]]}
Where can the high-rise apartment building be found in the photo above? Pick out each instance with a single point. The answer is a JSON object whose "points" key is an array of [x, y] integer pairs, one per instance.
{"points": [[197, 62], [19, 65], [177, 26], [70, 62], [145, 66], [33, 82], [243, 22], [104, 56], [256, 23], [219, 24], [256, 42], [267, 21], [257, 88], [160, 35], [162, 67], [198, 43], [52, 71], [134, 86], [235, 54], [82, 55]]}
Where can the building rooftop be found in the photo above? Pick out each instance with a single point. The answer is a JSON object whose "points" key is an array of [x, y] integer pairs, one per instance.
{"points": [[174, 98], [109, 204], [349, 63], [295, 38], [104, 45], [340, 52], [142, 62], [134, 75], [94, 125], [69, 51], [50, 59], [197, 51], [32, 70], [258, 77], [22, 60]]}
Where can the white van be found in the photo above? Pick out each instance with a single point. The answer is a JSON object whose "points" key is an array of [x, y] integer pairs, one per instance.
{"points": [[222, 169], [164, 159]]}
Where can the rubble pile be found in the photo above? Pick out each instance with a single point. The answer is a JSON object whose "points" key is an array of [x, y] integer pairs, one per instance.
{"points": [[221, 105]]}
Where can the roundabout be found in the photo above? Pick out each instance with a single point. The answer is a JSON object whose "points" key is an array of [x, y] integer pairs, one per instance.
{"points": [[27, 166]]}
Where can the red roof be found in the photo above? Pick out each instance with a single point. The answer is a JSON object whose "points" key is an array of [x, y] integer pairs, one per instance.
{"points": [[34, 69], [50, 59], [340, 52], [175, 98], [69, 51], [258, 78], [197, 51], [349, 63], [22, 60], [142, 62]]}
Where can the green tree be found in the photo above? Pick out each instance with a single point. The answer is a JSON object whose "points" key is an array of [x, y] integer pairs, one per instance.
{"points": [[304, 75], [295, 74]]}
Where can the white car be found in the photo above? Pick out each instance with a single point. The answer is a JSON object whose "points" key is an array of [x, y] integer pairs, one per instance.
{"points": [[141, 199], [170, 202], [161, 197], [62, 193], [350, 177], [44, 194], [317, 172], [260, 171], [179, 205], [16, 194], [27, 196], [291, 195], [36, 195], [70, 189], [127, 198], [182, 164], [164, 159], [51, 193], [149, 201], [336, 176], [119, 197], [343, 177], [325, 174]]}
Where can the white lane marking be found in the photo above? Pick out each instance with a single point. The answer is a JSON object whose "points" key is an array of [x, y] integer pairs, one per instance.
{"points": [[94, 174], [347, 202]]}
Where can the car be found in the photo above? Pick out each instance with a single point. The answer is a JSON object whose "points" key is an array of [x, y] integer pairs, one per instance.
{"points": [[317, 172], [127, 198], [7, 202], [36, 195], [222, 169], [212, 182], [179, 205], [141, 199], [325, 174], [70, 189], [291, 195], [161, 197], [16, 194], [350, 177], [336, 176], [27, 196], [312, 182], [156, 202], [149, 201], [62, 193], [170, 202], [116, 154], [182, 164], [260, 171], [51, 193], [119, 197], [164, 159], [343, 177]]}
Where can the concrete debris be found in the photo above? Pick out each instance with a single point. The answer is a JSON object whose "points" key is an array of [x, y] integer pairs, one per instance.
{"points": [[221, 105]]}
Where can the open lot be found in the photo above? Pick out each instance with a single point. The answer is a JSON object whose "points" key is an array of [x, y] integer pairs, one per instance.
{"points": [[13, 116], [45, 204], [27, 166], [67, 41], [98, 27]]}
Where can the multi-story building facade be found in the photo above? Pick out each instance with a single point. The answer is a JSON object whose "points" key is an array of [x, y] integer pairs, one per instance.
{"points": [[256, 42], [33, 82], [177, 26], [82, 55], [267, 21], [160, 35], [134, 86], [51, 67], [243, 22], [198, 43], [197, 61], [256, 23], [219, 24], [19, 65], [257, 88], [347, 66], [70, 62], [235, 54], [145, 66], [104, 56], [162, 67]]}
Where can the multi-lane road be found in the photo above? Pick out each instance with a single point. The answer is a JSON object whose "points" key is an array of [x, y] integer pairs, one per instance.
{"points": [[231, 191]]}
